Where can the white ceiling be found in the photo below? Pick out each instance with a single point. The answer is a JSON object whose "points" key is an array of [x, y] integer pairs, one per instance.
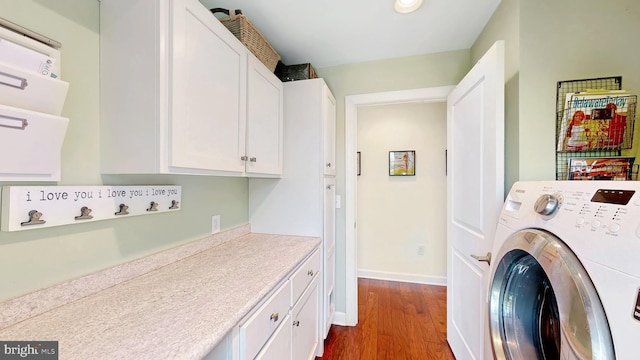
{"points": [[335, 32]]}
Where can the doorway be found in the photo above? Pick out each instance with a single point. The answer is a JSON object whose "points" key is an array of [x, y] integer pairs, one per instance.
{"points": [[401, 234], [352, 103]]}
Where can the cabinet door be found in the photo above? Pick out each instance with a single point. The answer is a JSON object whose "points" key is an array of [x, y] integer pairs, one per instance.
{"points": [[329, 293], [329, 232], [329, 239], [264, 120], [207, 92], [306, 314], [279, 346], [329, 119]]}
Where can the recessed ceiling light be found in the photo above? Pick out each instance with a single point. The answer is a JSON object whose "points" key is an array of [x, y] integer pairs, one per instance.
{"points": [[406, 6]]}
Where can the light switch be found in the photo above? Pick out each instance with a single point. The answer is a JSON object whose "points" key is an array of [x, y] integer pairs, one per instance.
{"points": [[338, 201]]}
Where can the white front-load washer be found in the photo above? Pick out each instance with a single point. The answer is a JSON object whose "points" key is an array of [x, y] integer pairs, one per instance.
{"points": [[565, 274]]}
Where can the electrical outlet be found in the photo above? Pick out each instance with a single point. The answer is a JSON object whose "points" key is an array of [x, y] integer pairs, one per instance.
{"points": [[215, 224], [420, 249]]}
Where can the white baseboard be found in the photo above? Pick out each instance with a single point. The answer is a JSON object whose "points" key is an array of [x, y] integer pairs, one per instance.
{"points": [[340, 318], [402, 277]]}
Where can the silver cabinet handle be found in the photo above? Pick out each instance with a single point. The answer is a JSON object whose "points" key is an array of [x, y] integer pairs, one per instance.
{"points": [[329, 165], [13, 81], [486, 258], [253, 159], [13, 122], [296, 323], [244, 158], [310, 273], [274, 317]]}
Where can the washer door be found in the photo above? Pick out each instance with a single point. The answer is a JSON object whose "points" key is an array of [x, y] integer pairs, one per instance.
{"points": [[543, 304]]}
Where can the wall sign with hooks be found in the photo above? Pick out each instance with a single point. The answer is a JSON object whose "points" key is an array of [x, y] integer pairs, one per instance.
{"points": [[35, 207]]}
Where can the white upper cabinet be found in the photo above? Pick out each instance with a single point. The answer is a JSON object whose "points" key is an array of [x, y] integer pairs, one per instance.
{"points": [[329, 120], [174, 91], [208, 80], [264, 120]]}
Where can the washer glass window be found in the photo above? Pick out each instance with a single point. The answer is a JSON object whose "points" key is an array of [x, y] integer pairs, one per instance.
{"points": [[542, 303]]}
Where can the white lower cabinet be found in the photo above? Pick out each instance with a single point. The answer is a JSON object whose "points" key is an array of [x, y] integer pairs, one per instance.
{"points": [[279, 346], [306, 329], [287, 324], [255, 332], [329, 292]]}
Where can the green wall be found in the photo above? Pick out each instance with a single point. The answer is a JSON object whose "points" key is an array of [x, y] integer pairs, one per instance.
{"points": [[414, 72], [504, 25], [38, 258], [549, 41]]}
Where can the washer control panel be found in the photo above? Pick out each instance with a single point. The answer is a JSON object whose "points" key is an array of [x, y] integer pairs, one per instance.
{"points": [[604, 210], [597, 219]]}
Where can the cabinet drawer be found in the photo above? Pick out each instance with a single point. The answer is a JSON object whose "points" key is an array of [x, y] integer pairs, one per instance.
{"points": [[279, 346], [27, 90], [255, 332], [30, 144], [303, 276]]}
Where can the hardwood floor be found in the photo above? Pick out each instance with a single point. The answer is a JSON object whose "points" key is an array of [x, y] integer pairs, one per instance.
{"points": [[396, 321]]}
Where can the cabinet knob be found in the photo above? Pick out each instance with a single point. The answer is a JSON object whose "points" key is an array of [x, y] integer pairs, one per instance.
{"points": [[328, 165], [244, 158], [310, 273], [253, 159], [296, 323], [274, 317]]}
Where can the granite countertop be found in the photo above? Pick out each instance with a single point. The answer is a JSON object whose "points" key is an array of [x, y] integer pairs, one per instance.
{"points": [[178, 311]]}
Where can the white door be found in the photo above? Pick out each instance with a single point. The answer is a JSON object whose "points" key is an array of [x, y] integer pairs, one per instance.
{"points": [[475, 190]]}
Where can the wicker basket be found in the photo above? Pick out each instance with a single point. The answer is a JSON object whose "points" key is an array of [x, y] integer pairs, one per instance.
{"points": [[247, 33]]}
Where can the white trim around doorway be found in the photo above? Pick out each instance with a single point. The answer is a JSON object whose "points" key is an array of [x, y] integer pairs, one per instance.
{"points": [[352, 102]]}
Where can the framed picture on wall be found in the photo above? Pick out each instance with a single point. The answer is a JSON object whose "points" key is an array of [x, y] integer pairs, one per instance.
{"points": [[402, 163]]}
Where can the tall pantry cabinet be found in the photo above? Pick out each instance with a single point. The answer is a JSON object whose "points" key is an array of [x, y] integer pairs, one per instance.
{"points": [[302, 202]]}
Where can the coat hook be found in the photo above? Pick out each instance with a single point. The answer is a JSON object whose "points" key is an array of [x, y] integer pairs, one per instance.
{"points": [[123, 210], [174, 205], [34, 218], [84, 214], [153, 206]]}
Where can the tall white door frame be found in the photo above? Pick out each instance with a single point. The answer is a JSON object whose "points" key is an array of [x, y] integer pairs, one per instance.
{"points": [[352, 102]]}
